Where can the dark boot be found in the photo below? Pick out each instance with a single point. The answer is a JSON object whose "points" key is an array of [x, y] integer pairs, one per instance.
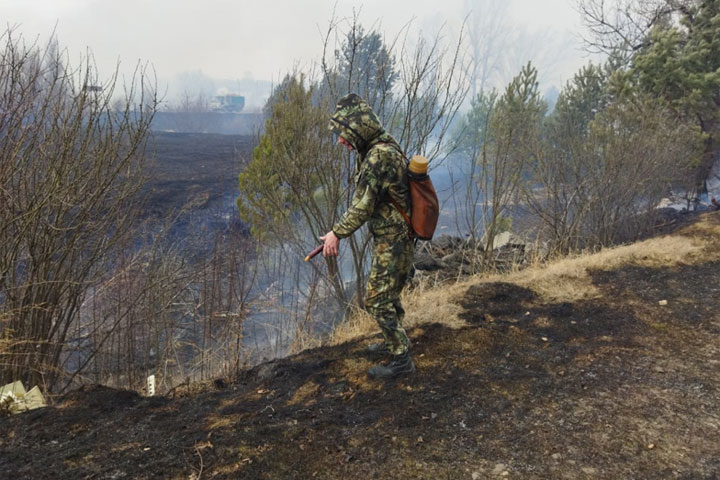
{"points": [[399, 365]]}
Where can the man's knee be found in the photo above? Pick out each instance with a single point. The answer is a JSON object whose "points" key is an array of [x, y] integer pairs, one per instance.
{"points": [[380, 310]]}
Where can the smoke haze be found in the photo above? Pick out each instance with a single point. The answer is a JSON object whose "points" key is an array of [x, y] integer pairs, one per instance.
{"points": [[211, 46]]}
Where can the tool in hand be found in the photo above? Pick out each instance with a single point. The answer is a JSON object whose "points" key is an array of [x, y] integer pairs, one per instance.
{"points": [[313, 253]]}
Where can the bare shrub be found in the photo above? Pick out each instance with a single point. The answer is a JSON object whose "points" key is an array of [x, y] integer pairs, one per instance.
{"points": [[604, 164], [619, 28], [173, 309], [70, 166]]}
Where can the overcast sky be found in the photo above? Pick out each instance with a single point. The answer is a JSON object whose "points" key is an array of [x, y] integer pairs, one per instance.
{"points": [[263, 39]]}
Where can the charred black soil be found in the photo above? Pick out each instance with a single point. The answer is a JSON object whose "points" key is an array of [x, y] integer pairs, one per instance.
{"points": [[193, 170], [614, 387]]}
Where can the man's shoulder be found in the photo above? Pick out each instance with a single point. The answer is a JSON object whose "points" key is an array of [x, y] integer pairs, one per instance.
{"points": [[391, 148], [382, 153]]}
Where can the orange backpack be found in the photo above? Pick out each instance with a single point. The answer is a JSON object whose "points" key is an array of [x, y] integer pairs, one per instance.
{"points": [[425, 208]]}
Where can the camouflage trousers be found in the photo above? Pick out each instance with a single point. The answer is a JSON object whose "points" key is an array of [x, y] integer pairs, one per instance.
{"points": [[391, 263]]}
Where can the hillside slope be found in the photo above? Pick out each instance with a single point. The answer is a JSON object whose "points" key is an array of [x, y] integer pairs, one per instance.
{"points": [[573, 370]]}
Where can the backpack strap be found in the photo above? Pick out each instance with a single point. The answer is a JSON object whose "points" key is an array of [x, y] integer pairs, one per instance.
{"points": [[411, 231]]}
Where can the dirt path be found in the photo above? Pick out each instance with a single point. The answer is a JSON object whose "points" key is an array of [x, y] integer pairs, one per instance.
{"points": [[613, 387]]}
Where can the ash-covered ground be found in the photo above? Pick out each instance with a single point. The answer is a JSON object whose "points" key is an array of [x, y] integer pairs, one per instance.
{"points": [[193, 178], [617, 386]]}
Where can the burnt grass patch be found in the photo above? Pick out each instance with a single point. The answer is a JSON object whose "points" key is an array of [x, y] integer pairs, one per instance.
{"points": [[614, 387], [193, 171]]}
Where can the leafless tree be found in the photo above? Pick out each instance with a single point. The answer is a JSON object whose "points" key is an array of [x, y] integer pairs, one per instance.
{"points": [[166, 310], [488, 36], [70, 170], [620, 27]]}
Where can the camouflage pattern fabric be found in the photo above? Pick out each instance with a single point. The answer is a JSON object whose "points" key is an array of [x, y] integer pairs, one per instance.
{"points": [[389, 271], [381, 173]]}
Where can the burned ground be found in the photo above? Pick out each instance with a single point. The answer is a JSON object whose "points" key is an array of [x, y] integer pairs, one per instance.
{"points": [[613, 386], [193, 171]]}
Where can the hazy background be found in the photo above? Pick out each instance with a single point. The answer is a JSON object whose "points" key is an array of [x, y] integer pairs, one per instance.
{"points": [[223, 46]]}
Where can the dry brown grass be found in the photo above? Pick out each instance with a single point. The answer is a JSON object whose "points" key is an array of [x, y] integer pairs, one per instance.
{"points": [[359, 324], [304, 394], [304, 339], [423, 305], [563, 280], [568, 279]]}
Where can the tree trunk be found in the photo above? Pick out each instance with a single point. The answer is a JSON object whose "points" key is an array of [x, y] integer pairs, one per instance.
{"points": [[710, 155]]}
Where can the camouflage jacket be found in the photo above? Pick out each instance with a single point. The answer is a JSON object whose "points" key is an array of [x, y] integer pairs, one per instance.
{"points": [[381, 172]]}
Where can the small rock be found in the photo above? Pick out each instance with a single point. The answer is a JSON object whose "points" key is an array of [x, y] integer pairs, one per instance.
{"points": [[499, 468], [662, 302], [544, 339], [651, 446], [338, 387], [420, 439], [446, 242], [556, 456], [476, 476], [425, 261], [589, 470], [452, 259]]}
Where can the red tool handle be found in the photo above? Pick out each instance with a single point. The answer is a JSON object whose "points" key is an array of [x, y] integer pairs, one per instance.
{"points": [[313, 253]]}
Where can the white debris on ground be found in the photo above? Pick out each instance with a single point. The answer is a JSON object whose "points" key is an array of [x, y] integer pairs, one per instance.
{"points": [[676, 203], [14, 399], [151, 386]]}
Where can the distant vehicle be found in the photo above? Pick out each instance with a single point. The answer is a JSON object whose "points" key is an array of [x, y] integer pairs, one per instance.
{"points": [[230, 103]]}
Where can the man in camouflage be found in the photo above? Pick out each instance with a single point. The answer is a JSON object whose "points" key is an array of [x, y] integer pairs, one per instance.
{"points": [[381, 177]]}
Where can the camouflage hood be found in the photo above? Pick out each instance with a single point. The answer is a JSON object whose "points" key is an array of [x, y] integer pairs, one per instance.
{"points": [[356, 122]]}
